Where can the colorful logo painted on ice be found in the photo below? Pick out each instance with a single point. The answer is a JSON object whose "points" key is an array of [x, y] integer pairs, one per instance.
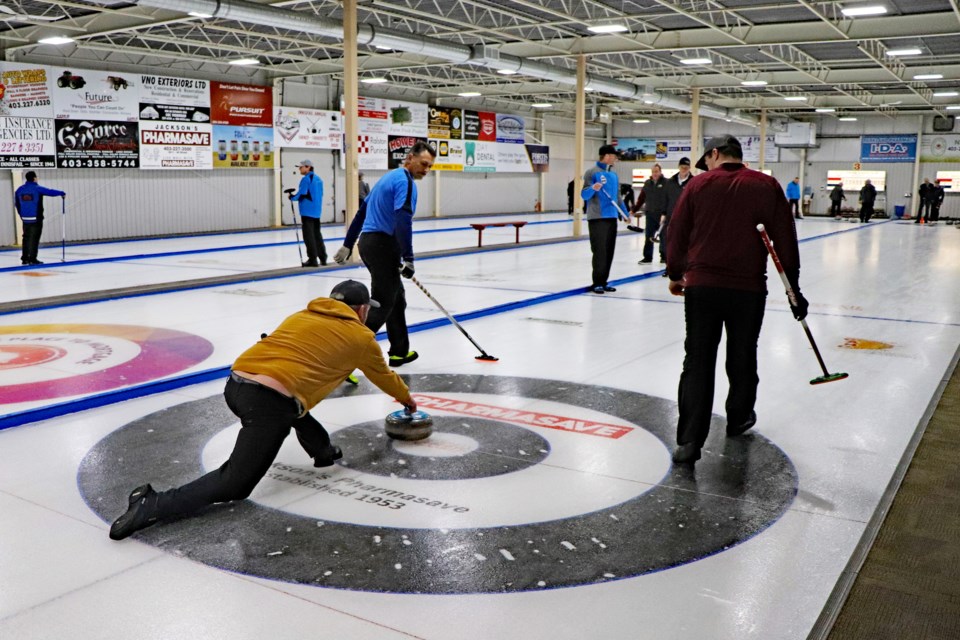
{"points": [[39, 362]]}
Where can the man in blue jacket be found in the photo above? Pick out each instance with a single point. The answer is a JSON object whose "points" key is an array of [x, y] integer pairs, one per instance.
{"points": [[793, 198], [29, 203], [601, 196], [384, 225], [310, 197]]}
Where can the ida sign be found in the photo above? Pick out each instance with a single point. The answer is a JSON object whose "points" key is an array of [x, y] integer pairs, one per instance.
{"points": [[888, 148]]}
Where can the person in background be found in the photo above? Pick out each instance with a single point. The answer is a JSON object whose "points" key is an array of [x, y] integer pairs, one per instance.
{"points": [[384, 225], [626, 194], [601, 196], [836, 197], [718, 262], [364, 188], [28, 201], [310, 198], [927, 196], [939, 195], [570, 198], [793, 197], [271, 388], [868, 195], [654, 195], [675, 185]]}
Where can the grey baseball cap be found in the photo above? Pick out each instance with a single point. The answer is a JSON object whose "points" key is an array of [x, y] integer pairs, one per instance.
{"points": [[305, 163]]}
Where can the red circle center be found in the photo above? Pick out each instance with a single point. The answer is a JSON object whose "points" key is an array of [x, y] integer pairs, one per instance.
{"points": [[14, 356]]}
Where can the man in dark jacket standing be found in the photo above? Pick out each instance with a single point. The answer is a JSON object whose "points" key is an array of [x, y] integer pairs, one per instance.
{"points": [[868, 195], [675, 185], [28, 200], [939, 194], [654, 195], [927, 197], [836, 197], [717, 261]]}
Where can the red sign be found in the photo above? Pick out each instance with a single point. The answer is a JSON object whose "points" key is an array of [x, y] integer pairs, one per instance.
{"points": [[519, 416], [488, 126], [241, 104]]}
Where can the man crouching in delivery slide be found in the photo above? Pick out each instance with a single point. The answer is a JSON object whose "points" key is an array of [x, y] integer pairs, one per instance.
{"points": [[272, 387]]}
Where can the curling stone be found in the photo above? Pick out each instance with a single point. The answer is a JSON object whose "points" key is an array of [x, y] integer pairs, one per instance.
{"points": [[401, 425]]}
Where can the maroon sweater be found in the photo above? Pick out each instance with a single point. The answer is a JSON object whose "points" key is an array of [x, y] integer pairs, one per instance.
{"points": [[713, 239]]}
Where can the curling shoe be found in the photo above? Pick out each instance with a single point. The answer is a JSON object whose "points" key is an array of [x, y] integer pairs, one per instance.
{"points": [[687, 453], [736, 430], [310, 263], [597, 290], [609, 288], [352, 379], [331, 455], [142, 513], [396, 361]]}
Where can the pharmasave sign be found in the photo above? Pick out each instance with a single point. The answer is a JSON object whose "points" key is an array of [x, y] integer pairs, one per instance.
{"points": [[175, 145], [91, 144], [26, 117]]}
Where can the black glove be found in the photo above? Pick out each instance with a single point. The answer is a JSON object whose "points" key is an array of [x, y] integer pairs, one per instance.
{"points": [[800, 309], [407, 270]]}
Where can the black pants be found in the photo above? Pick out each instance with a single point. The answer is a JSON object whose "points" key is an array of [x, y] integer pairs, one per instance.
{"points": [[795, 207], [266, 417], [708, 311], [652, 224], [381, 253], [835, 208], [603, 242], [934, 212], [31, 240], [313, 239], [924, 211], [866, 212], [663, 240]]}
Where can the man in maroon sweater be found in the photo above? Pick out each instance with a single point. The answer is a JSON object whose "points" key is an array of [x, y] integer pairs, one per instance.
{"points": [[717, 261]]}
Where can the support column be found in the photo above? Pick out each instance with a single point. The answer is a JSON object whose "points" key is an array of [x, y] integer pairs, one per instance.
{"points": [[277, 216], [696, 138], [763, 143], [436, 193], [351, 104], [803, 176], [913, 210], [580, 130], [542, 177]]}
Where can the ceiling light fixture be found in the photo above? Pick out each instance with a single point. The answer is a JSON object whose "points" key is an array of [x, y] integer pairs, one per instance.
{"points": [[696, 61], [641, 121], [754, 83], [469, 94], [56, 40], [541, 105], [506, 72], [913, 51], [928, 76], [795, 98], [955, 107], [245, 62], [871, 10], [847, 119], [825, 110], [373, 80], [199, 14], [945, 94], [608, 28]]}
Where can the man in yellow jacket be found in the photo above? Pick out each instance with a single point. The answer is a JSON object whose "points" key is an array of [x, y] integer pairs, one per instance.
{"points": [[272, 387]]}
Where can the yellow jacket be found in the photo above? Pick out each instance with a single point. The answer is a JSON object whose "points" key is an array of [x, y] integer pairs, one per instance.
{"points": [[312, 351]]}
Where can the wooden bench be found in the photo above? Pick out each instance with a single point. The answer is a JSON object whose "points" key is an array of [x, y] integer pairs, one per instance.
{"points": [[480, 226]]}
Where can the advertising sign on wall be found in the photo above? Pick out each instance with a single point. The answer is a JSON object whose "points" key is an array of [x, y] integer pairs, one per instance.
{"points": [[406, 118], [510, 129], [242, 115], [237, 147], [902, 148], [449, 155], [438, 123], [637, 149], [940, 148], [479, 156], [174, 99], [751, 150], [241, 104], [539, 157], [96, 95], [372, 151], [26, 117], [373, 115], [398, 147], [307, 128], [175, 145], [91, 144], [669, 152], [480, 125]]}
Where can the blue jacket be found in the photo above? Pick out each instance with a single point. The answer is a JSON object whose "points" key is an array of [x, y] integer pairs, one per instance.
{"points": [[29, 201], [793, 191], [597, 204], [388, 209], [310, 195]]}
